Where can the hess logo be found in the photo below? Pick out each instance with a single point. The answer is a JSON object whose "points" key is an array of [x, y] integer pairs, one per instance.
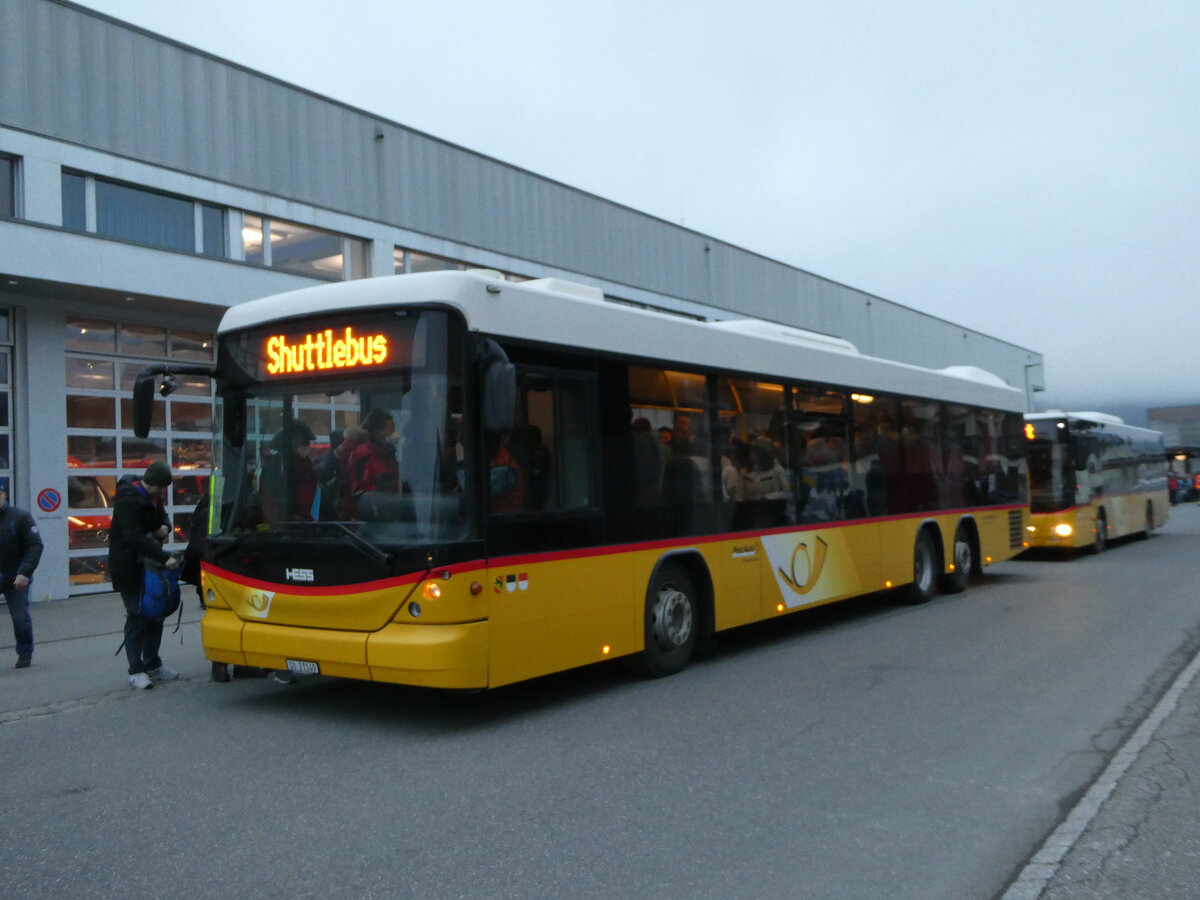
{"points": [[299, 575]]}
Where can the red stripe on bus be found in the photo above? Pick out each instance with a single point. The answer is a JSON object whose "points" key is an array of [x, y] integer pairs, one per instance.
{"points": [[583, 553]]}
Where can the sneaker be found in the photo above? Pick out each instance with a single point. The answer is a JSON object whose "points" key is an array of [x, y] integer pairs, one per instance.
{"points": [[281, 676], [162, 673], [24, 662], [220, 672], [140, 682]]}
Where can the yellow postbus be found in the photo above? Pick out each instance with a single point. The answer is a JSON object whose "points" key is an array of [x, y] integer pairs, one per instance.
{"points": [[1092, 479], [453, 480]]}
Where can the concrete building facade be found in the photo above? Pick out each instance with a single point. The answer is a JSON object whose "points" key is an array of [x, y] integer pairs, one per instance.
{"points": [[145, 187]]}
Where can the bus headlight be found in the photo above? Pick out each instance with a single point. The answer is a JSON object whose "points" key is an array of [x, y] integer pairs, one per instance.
{"points": [[1063, 530]]}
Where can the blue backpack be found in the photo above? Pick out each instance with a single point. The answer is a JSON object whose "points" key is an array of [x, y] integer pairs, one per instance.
{"points": [[160, 596], [160, 592]]}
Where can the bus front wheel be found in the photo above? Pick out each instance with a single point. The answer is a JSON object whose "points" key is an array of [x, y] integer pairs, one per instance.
{"points": [[1149, 529], [1100, 544], [925, 556], [955, 582], [672, 621]]}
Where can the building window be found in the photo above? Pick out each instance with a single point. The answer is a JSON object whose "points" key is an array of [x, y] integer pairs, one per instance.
{"points": [[74, 201], [8, 187], [102, 361], [303, 250], [406, 261], [425, 262], [129, 213]]}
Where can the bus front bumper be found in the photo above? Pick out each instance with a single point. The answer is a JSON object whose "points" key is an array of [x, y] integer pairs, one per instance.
{"points": [[443, 656], [1054, 530]]}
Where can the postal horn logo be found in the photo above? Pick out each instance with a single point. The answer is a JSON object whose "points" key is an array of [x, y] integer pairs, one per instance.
{"points": [[258, 603], [806, 566]]}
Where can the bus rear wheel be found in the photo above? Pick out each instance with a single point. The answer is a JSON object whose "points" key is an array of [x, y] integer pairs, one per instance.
{"points": [[955, 582], [1100, 543], [924, 581], [672, 621]]}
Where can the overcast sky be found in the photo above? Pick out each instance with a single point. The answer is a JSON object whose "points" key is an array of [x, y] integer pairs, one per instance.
{"points": [[1027, 169]]}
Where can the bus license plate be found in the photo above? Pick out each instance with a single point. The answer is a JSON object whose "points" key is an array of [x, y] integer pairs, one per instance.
{"points": [[303, 667]]}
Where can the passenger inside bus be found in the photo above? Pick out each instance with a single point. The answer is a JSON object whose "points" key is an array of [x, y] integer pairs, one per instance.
{"points": [[372, 466], [506, 476], [288, 481]]}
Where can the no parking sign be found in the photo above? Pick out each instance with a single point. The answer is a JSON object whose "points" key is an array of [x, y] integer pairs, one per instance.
{"points": [[49, 500]]}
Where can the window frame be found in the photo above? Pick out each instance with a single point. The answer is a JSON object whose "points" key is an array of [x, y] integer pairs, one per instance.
{"points": [[198, 223]]}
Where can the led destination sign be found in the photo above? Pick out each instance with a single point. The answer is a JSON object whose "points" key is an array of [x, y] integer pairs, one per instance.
{"points": [[323, 351]]}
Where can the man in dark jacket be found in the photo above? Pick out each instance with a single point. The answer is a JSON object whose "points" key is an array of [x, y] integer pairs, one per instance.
{"points": [[139, 527], [20, 550]]}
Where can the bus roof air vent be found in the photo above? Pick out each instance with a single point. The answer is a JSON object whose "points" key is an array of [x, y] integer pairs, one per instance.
{"points": [[976, 374], [775, 331], [562, 286]]}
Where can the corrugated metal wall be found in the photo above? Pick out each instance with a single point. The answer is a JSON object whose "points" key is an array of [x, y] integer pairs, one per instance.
{"points": [[70, 74]]}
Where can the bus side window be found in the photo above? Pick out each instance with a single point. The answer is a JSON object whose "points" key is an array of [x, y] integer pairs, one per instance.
{"points": [[546, 463]]}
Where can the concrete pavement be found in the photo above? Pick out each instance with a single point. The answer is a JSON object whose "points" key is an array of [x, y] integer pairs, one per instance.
{"points": [[1133, 834]]}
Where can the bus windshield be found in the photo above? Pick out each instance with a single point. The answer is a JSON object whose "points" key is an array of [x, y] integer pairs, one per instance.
{"points": [[374, 446], [1051, 470]]}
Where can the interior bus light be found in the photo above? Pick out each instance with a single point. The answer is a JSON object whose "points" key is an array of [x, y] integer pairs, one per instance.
{"points": [[862, 398], [1063, 529], [431, 591]]}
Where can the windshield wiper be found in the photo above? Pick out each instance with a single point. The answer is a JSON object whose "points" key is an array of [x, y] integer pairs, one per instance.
{"points": [[364, 546]]}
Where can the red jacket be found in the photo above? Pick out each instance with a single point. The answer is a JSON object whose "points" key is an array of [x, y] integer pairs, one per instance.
{"points": [[372, 466]]}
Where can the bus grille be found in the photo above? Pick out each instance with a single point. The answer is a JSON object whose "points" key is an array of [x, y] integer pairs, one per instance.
{"points": [[1015, 537]]}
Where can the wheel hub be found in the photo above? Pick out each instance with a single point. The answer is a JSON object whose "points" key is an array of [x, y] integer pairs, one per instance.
{"points": [[672, 617], [962, 557]]}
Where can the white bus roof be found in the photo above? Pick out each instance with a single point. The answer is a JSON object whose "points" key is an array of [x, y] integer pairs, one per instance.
{"points": [[577, 316]]}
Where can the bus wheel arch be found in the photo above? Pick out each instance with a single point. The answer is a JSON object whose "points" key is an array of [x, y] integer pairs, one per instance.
{"points": [[677, 614], [927, 563], [964, 557]]}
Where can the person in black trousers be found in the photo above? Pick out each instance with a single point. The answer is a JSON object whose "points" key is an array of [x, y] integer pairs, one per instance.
{"points": [[139, 527], [20, 550]]}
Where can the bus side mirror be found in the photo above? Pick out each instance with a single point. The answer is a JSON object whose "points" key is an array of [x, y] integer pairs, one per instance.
{"points": [[499, 396], [143, 390], [143, 403]]}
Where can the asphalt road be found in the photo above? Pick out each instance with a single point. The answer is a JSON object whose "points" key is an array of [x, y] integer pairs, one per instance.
{"points": [[861, 751]]}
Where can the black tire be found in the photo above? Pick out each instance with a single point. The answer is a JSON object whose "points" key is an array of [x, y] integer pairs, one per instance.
{"points": [[1100, 542], [1149, 529], [956, 581], [672, 621], [925, 571]]}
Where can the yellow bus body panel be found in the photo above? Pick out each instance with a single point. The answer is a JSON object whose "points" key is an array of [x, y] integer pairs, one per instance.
{"points": [[545, 613], [1125, 514]]}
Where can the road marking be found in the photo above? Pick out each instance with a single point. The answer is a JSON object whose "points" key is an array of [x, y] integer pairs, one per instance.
{"points": [[1038, 872]]}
